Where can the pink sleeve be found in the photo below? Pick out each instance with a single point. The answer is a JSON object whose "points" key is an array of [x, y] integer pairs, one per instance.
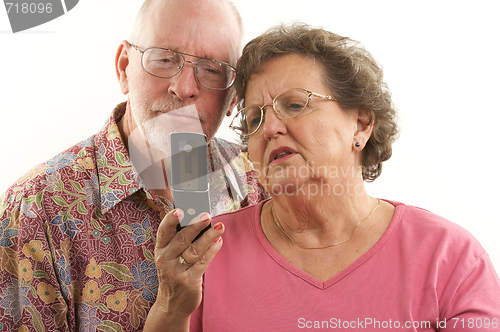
{"points": [[475, 304]]}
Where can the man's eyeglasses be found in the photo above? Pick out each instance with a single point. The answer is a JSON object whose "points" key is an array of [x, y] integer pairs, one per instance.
{"points": [[164, 63], [286, 105]]}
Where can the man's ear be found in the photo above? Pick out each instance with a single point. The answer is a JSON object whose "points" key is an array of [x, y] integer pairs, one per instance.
{"points": [[233, 104], [365, 121], [121, 64]]}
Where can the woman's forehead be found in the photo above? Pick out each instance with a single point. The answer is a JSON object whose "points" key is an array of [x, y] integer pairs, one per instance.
{"points": [[285, 72]]}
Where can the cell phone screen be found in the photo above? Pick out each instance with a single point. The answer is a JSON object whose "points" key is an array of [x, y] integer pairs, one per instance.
{"points": [[189, 157]]}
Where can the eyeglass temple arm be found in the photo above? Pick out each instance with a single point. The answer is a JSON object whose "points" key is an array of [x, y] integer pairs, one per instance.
{"points": [[136, 48], [322, 96]]}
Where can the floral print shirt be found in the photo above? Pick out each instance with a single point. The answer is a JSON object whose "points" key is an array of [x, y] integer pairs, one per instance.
{"points": [[77, 235]]}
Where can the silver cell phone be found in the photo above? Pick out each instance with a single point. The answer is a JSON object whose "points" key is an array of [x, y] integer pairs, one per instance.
{"points": [[189, 158]]}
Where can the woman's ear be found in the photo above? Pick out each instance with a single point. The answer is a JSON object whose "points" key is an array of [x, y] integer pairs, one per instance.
{"points": [[121, 64], [365, 121]]}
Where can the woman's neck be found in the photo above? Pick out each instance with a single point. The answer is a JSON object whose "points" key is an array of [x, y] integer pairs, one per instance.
{"points": [[318, 218], [338, 240]]}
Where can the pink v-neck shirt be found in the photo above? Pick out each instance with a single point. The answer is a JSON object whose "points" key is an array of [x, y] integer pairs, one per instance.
{"points": [[424, 274]]}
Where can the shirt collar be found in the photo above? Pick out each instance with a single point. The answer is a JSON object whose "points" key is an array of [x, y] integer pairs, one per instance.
{"points": [[118, 178]]}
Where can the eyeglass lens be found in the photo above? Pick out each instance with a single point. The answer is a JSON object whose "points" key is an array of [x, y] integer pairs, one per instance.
{"points": [[210, 73], [288, 104]]}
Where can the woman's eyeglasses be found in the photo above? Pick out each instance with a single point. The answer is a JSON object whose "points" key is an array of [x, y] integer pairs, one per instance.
{"points": [[286, 105]]}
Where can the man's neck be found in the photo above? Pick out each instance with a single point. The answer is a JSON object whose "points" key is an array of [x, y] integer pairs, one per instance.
{"points": [[156, 180], [154, 176], [124, 126]]}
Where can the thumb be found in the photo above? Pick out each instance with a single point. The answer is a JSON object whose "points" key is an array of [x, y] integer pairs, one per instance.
{"points": [[166, 230]]}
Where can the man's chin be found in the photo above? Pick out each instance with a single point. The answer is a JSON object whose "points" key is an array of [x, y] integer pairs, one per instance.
{"points": [[185, 124]]}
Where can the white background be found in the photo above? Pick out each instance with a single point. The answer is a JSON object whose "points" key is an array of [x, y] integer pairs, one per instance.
{"points": [[441, 61]]}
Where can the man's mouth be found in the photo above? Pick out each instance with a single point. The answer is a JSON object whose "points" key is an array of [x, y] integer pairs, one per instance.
{"points": [[184, 115], [188, 112]]}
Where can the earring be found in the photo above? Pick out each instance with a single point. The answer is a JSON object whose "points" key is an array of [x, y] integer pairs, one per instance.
{"points": [[357, 144]]}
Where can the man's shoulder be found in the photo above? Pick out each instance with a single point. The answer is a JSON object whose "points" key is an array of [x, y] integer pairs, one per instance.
{"points": [[79, 157], [227, 149], [232, 154], [75, 157], [236, 163]]}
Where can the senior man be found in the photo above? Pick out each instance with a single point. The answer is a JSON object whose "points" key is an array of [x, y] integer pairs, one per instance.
{"points": [[78, 232]]}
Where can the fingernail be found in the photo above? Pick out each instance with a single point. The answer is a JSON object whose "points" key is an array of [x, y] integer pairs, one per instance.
{"points": [[218, 227], [218, 239], [176, 213], [205, 217]]}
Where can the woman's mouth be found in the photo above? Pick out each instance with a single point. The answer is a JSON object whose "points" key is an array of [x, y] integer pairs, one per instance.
{"points": [[281, 154]]}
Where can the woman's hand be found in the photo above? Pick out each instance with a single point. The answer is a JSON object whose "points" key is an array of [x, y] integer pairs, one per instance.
{"points": [[180, 265]]}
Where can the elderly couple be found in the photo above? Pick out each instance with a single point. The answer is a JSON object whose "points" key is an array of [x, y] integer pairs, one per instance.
{"points": [[89, 243]]}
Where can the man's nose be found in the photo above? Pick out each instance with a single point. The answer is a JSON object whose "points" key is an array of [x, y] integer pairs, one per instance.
{"points": [[184, 85]]}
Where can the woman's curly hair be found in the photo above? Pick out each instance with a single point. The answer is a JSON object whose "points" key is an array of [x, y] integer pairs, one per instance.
{"points": [[351, 74]]}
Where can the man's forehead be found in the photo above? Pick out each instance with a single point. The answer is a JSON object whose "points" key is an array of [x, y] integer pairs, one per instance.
{"points": [[181, 14], [211, 33]]}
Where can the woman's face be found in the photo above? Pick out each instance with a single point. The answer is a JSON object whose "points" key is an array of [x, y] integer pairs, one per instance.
{"points": [[300, 154]]}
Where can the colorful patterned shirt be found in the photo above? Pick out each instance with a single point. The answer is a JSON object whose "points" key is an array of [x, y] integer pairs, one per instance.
{"points": [[77, 235]]}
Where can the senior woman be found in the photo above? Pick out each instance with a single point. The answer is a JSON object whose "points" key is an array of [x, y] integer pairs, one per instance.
{"points": [[318, 121]]}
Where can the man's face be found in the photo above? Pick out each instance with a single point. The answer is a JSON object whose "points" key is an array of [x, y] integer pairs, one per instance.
{"points": [[160, 106]]}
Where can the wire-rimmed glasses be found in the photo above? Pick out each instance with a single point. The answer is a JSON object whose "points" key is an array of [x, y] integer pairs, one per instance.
{"points": [[164, 63], [288, 104]]}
